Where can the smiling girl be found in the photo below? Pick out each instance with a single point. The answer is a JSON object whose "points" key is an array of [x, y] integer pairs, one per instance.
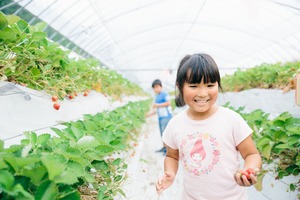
{"points": [[207, 139]]}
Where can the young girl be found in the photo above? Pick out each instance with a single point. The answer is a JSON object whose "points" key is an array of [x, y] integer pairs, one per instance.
{"points": [[207, 138]]}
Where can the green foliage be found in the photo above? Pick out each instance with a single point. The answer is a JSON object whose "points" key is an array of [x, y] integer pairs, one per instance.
{"points": [[27, 57], [84, 152], [278, 141], [264, 76]]}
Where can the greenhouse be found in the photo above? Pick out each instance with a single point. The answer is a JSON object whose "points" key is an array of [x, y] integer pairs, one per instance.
{"points": [[86, 87]]}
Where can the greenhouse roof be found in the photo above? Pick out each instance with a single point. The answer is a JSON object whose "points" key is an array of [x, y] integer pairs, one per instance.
{"points": [[145, 40]]}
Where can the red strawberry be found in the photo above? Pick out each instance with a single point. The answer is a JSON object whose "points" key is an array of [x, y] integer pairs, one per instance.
{"points": [[56, 106], [70, 96], [250, 171], [54, 98], [85, 94], [246, 174]]}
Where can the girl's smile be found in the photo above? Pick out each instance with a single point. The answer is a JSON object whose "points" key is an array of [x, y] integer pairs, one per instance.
{"points": [[200, 98]]}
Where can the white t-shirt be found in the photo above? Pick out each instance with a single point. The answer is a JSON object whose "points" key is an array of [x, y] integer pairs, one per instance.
{"points": [[208, 154]]}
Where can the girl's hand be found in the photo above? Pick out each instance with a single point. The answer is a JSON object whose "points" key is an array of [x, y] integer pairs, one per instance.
{"points": [[164, 182], [247, 177]]}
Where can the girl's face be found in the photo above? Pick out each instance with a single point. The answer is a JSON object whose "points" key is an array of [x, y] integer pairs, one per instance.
{"points": [[200, 98]]}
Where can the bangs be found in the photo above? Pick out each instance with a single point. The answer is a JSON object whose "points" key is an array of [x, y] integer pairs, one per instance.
{"points": [[200, 68], [194, 68]]}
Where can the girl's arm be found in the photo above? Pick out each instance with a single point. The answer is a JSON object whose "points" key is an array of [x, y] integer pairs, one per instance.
{"points": [[252, 159], [170, 168], [171, 160]]}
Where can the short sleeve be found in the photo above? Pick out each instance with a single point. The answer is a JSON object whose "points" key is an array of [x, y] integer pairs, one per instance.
{"points": [[241, 129], [168, 136]]}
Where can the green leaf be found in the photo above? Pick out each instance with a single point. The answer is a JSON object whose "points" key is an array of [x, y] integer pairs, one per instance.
{"points": [[72, 172], [47, 191], [293, 129], [280, 135], [93, 155], [73, 154], [120, 133], [7, 34], [293, 169], [19, 193], [55, 164], [294, 139], [43, 139], [282, 146], [23, 26], [118, 144], [86, 143], [100, 165], [263, 141], [6, 180], [107, 136], [66, 177], [17, 163], [73, 195], [105, 149], [37, 36], [3, 21], [298, 160], [1, 145], [12, 19], [35, 174], [65, 134], [292, 187], [278, 122], [31, 136], [40, 26], [35, 72], [14, 148], [101, 192], [116, 162], [266, 151], [90, 126], [44, 42], [77, 129], [118, 178]]}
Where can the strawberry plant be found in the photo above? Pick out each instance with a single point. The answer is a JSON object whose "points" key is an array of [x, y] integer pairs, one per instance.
{"points": [[279, 75], [27, 57], [84, 159], [278, 141]]}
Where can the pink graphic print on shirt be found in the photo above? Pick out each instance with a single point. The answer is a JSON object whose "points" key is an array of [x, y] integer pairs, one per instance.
{"points": [[200, 153]]}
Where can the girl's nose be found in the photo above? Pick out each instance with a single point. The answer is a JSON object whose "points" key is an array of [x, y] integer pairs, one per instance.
{"points": [[202, 92]]}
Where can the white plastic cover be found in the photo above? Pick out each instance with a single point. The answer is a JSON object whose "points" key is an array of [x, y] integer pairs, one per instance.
{"points": [[145, 39]]}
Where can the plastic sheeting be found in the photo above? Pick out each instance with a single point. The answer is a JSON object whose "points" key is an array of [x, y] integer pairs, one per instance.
{"points": [[23, 109], [270, 101], [145, 39]]}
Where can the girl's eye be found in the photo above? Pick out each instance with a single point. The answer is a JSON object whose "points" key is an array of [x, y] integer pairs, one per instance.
{"points": [[210, 85]]}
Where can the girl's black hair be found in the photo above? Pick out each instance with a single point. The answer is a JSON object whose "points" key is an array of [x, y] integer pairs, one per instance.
{"points": [[193, 68]]}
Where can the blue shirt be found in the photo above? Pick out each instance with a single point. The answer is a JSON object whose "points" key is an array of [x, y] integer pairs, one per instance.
{"points": [[162, 112]]}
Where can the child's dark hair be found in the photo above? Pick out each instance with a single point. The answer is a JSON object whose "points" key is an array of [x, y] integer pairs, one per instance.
{"points": [[193, 68], [156, 82]]}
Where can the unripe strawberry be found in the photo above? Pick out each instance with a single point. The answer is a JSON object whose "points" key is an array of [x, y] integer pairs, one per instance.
{"points": [[54, 98]]}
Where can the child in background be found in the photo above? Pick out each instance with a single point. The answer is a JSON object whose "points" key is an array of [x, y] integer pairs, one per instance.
{"points": [[163, 108], [207, 139]]}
